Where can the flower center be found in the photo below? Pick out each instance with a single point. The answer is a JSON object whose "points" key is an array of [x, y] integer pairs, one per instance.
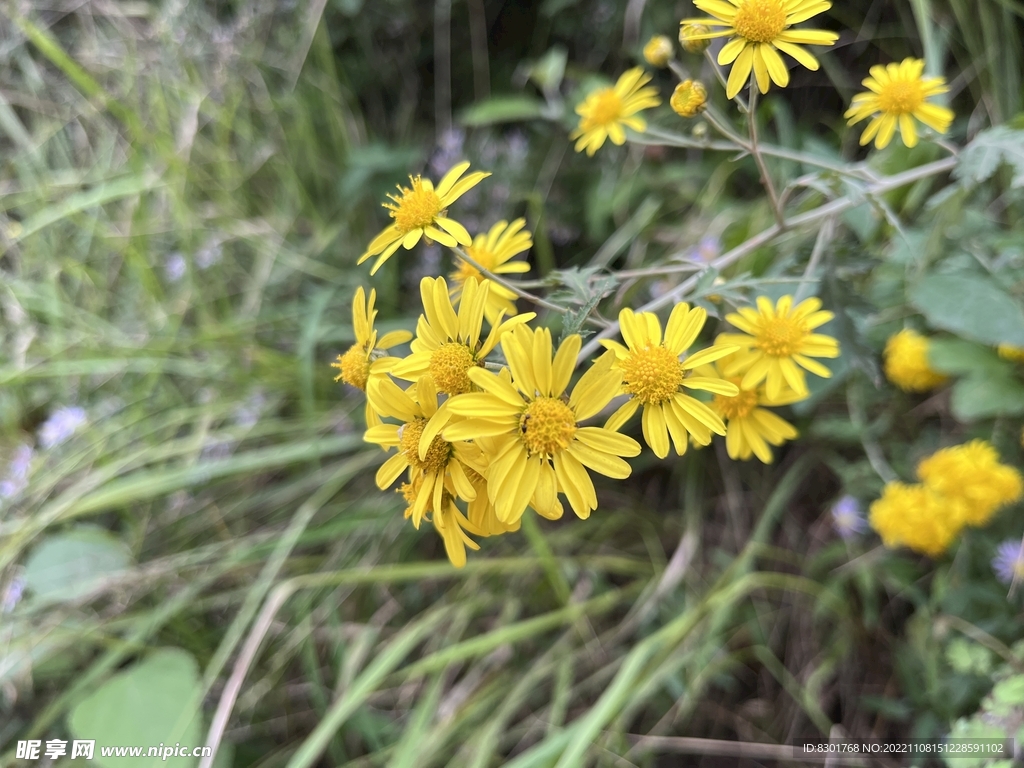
{"points": [[449, 364], [355, 368], [901, 97], [547, 426], [415, 208], [738, 406], [438, 453], [760, 21], [605, 107], [652, 375], [781, 337]]}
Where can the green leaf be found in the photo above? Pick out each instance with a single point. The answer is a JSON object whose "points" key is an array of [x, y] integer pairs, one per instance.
{"points": [[979, 397], [970, 306], [990, 149], [956, 356], [69, 565], [153, 701], [549, 69], [502, 109]]}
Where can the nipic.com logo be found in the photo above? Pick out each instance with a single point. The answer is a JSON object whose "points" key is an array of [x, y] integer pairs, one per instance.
{"points": [[53, 749]]}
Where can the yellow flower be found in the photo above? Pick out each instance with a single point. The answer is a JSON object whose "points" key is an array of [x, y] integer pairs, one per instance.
{"points": [[1011, 353], [972, 473], [494, 252], [658, 51], [604, 112], [759, 30], [655, 377], [540, 448], [750, 427], [777, 340], [421, 211], [435, 477], [691, 37], [896, 94], [906, 362], [915, 516], [366, 358], [689, 98]]}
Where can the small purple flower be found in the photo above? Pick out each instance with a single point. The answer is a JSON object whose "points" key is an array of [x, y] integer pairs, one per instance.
{"points": [[61, 425], [707, 250], [209, 254], [12, 594], [174, 267], [1008, 563], [21, 462], [847, 518]]}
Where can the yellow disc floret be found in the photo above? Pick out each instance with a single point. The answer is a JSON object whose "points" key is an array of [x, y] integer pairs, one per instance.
{"points": [[436, 459], [449, 364], [906, 362], [901, 97], [739, 406], [973, 474], [652, 375], [915, 516], [547, 426], [354, 367], [781, 336], [760, 20], [417, 207]]}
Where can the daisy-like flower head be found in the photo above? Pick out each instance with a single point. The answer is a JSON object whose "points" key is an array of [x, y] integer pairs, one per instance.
{"points": [[366, 358], [689, 98], [448, 344], [655, 377], [605, 111], [1008, 563], [760, 29], [778, 341], [1011, 353], [691, 37], [437, 477], [658, 51], [420, 210], [973, 474], [915, 516], [750, 427], [541, 448], [494, 252], [905, 361], [896, 95]]}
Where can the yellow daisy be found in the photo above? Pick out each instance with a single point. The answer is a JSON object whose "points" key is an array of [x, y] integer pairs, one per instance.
{"points": [[421, 211], [779, 340], [436, 478], [449, 344], [905, 361], [541, 449], [760, 29], [896, 94], [750, 427], [915, 516], [366, 358], [655, 377], [494, 252], [605, 111], [973, 474]]}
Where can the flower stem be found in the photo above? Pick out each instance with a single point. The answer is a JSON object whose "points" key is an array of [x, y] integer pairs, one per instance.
{"points": [[766, 178]]}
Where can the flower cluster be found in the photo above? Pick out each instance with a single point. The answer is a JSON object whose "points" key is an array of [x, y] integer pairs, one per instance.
{"points": [[961, 486], [905, 361]]}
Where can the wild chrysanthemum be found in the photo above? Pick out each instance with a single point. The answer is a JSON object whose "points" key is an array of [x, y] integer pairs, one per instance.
{"points": [[494, 252], [366, 358], [779, 340], [658, 51], [896, 94], [915, 516], [689, 98], [605, 111], [448, 344], [750, 427], [1011, 353], [1008, 563], [435, 477], [691, 37], [905, 361], [973, 474], [421, 211], [759, 30], [654, 377], [540, 448]]}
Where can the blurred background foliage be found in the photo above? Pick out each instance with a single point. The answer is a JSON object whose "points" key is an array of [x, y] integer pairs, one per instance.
{"points": [[189, 531]]}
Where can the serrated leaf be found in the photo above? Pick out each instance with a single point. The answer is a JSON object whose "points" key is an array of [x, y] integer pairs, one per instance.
{"points": [[582, 285], [991, 148], [970, 306], [502, 109]]}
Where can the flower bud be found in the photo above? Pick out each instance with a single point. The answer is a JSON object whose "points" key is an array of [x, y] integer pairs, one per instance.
{"points": [[689, 98], [658, 51], [687, 32]]}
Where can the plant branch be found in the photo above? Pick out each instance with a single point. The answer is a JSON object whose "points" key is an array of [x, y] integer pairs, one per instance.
{"points": [[755, 151]]}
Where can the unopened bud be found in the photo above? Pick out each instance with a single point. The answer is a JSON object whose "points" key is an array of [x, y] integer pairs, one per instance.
{"points": [[658, 51], [689, 38], [689, 98]]}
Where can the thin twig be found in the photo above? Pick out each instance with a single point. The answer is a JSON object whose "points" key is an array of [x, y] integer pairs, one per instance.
{"points": [[822, 240], [755, 151]]}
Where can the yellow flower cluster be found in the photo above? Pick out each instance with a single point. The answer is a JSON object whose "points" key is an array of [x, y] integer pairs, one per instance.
{"points": [[906, 362], [960, 486]]}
